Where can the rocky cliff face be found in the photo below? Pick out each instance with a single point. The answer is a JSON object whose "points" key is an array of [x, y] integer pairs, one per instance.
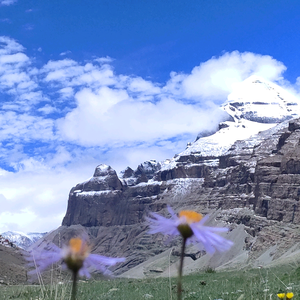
{"points": [[246, 175]]}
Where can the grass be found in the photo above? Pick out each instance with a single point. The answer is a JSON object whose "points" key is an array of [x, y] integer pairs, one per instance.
{"points": [[231, 285]]}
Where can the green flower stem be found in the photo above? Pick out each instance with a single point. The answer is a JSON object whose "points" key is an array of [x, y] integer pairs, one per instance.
{"points": [[74, 286], [179, 285]]}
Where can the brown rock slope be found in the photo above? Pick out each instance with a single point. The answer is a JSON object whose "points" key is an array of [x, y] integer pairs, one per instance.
{"points": [[12, 266]]}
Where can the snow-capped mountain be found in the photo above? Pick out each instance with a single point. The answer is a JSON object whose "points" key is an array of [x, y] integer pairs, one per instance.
{"points": [[255, 105], [256, 99], [245, 174], [20, 239]]}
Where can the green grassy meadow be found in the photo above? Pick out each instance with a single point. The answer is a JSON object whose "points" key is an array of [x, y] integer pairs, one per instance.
{"points": [[259, 284]]}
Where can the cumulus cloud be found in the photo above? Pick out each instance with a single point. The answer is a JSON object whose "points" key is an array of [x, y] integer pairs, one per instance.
{"points": [[139, 85], [25, 127], [7, 2], [104, 60], [9, 45], [69, 73], [40, 198], [110, 116], [17, 78], [215, 78], [47, 109], [66, 92]]}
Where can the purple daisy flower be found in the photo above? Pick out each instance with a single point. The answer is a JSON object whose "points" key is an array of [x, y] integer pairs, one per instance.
{"points": [[190, 225], [75, 256]]}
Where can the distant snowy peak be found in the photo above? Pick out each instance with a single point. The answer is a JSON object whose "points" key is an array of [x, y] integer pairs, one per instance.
{"points": [[256, 99], [254, 105], [20, 239]]}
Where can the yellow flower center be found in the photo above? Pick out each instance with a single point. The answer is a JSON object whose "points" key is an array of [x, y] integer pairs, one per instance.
{"points": [[190, 216], [289, 295], [281, 295], [75, 245]]}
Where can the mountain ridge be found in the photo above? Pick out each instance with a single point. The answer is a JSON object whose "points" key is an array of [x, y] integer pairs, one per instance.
{"points": [[248, 182]]}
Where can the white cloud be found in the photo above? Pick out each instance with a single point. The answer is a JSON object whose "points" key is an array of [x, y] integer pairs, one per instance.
{"points": [[69, 73], [65, 53], [36, 196], [62, 70], [17, 78], [104, 60], [96, 77], [17, 127], [7, 2], [10, 79], [139, 85], [9, 45], [215, 78], [110, 116], [12, 221], [66, 92], [19, 58], [47, 109]]}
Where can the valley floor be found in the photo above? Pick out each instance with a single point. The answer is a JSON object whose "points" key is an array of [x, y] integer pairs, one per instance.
{"points": [[252, 284]]}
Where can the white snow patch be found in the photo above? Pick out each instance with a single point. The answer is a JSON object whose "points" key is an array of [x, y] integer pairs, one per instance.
{"points": [[182, 186], [220, 142], [150, 182], [95, 193], [103, 167]]}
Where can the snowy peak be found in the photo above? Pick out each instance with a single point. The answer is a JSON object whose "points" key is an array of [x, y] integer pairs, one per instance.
{"points": [[254, 105], [256, 99], [20, 239]]}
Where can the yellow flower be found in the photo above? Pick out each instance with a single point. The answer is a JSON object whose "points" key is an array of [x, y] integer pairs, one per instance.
{"points": [[190, 216], [289, 295], [75, 254], [186, 218], [281, 295]]}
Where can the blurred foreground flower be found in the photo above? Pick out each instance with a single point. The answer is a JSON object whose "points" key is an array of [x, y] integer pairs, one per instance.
{"points": [[190, 225], [75, 256]]}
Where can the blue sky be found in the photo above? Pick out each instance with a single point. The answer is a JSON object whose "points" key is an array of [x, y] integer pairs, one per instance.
{"points": [[121, 82]]}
